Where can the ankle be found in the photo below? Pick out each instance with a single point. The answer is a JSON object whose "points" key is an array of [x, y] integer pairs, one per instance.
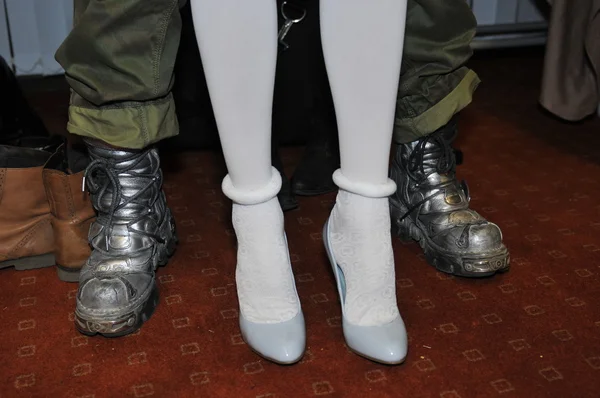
{"points": [[266, 217], [265, 282], [358, 211], [252, 197], [362, 188]]}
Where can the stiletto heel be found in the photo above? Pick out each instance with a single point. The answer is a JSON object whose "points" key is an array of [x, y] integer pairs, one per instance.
{"points": [[387, 343], [271, 319]]}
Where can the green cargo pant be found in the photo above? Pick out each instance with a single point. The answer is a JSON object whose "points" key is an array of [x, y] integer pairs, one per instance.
{"points": [[119, 61]]}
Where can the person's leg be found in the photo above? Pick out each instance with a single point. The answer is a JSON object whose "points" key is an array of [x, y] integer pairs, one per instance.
{"points": [[362, 45], [434, 81], [430, 206], [238, 44], [118, 60]]}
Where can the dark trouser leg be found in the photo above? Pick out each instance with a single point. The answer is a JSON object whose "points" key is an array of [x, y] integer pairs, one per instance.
{"points": [[434, 83], [119, 61]]}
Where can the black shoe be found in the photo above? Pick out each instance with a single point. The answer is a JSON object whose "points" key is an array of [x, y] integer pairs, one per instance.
{"points": [[286, 197], [313, 176]]}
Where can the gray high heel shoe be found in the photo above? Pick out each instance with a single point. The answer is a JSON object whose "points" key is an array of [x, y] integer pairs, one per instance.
{"points": [[387, 344], [282, 342]]}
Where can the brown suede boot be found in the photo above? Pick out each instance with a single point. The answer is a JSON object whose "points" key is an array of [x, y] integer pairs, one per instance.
{"points": [[26, 237], [72, 211]]}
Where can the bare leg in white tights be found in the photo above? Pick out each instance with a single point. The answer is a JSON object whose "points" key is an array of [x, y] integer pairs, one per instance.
{"points": [[237, 40], [362, 43], [238, 44]]}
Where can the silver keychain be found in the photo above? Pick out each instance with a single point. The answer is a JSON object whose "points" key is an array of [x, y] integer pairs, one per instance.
{"points": [[288, 23]]}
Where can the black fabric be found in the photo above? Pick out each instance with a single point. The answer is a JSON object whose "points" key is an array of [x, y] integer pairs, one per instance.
{"points": [[12, 157], [302, 100], [17, 119]]}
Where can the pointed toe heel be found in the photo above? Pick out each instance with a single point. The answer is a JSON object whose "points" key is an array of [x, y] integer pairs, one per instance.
{"points": [[283, 343], [387, 343]]}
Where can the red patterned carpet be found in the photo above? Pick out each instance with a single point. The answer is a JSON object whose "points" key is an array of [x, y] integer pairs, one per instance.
{"points": [[533, 332]]}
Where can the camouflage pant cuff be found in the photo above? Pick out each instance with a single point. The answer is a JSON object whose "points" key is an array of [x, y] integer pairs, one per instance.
{"points": [[411, 129], [133, 125]]}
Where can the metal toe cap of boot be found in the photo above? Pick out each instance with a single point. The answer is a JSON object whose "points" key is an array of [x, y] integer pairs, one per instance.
{"points": [[463, 243], [483, 238], [113, 294], [114, 303], [465, 235]]}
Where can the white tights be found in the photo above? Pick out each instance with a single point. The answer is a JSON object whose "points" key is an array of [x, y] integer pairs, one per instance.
{"points": [[362, 43]]}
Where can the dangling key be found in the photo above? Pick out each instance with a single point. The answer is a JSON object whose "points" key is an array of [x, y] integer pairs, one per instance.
{"points": [[287, 25], [284, 31]]}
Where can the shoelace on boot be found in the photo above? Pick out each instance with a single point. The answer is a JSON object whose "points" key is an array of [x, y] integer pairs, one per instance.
{"points": [[442, 161], [101, 174]]}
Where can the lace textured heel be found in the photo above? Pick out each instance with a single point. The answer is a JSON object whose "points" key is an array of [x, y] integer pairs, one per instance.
{"points": [[357, 239], [271, 320]]}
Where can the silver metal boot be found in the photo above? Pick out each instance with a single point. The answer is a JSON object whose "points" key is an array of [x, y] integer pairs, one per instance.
{"points": [[133, 235], [432, 207]]}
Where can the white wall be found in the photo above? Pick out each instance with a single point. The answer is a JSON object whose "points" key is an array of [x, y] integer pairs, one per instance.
{"points": [[492, 12], [528, 12], [38, 27]]}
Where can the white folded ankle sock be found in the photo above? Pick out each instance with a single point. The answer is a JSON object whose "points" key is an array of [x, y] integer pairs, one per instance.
{"points": [[362, 244], [265, 282]]}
